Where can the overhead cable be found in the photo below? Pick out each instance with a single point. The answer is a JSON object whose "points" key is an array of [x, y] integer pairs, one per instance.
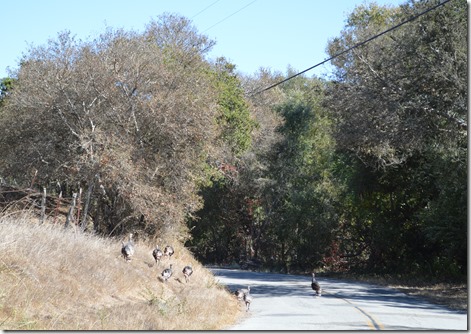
{"points": [[443, 2], [204, 9], [224, 19]]}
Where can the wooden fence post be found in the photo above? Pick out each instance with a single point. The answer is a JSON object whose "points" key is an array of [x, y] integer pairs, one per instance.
{"points": [[56, 210], [70, 215], [43, 207], [79, 206], [85, 209]]}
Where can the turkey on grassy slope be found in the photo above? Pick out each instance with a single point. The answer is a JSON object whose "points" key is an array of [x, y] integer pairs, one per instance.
{"points": [[187, 271], [167, 273], [168, 251], [127, 250], [157, 254]]}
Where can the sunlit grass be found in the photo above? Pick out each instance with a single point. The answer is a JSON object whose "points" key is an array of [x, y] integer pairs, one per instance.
{"points": [[51, 278]]}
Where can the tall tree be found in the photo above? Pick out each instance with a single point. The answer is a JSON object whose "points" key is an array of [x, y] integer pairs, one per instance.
{"points": [[405, 90], [401, 106], [234, 116], [119, 111], [6, 84], [303, 165]]}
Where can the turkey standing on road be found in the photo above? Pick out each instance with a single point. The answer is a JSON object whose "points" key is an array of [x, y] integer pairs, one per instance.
{"points": [[168, 251], [127, 249], [247, 299], [187, 271], [315, 285], [157, 254], [167, 273]]}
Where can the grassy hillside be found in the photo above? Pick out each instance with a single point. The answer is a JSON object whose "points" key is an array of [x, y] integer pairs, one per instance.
{"points": [[51, 278]]}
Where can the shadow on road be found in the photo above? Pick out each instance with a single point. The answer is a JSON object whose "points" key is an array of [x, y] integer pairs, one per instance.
{"points": [[262, 284], [383, 296], [278, 285]]}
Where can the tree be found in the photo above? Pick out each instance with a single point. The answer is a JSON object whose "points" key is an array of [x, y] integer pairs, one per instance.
{"points": [[232, 224], [406, 90], [217, 228], [234, 116], [400, 101], [120, 112], [6, 84], [302, 166]]}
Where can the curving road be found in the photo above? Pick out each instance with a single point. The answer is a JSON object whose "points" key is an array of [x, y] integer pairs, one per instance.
{"points": [[287, 302]]}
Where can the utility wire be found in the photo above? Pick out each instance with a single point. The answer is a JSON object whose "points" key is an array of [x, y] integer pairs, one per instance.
{"points": [[204, 9], [224, 19], [443, 2]]}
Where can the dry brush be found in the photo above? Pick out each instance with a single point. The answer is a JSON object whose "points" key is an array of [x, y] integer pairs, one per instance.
{"points": [[53, 278]]}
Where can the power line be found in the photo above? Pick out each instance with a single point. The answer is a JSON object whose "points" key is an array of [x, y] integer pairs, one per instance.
{"points": [[224, 19], [443, 2], [204, 9]]}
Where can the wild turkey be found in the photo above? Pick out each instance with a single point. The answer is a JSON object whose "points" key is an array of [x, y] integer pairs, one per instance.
{"points": [[127, 250], [247, 299], [157, 254], [167, 273], [239, 294], [168, 251], [187, 271], [315, 285]]}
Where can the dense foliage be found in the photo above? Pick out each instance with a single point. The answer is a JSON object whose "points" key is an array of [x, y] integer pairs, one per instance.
{"points": [[367, 170], [363, 171], [129, 116], [401, 107]]}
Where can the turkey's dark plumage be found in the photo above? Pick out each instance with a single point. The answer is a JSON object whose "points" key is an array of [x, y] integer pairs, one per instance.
{"points": [[187, 271], [127, 250], [157, 254], [168, 251], [247, 299], [167, 273], [239, 294], [315, 285]]}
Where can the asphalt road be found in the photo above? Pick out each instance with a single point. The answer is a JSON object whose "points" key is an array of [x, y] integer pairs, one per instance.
{"points": [[287, 302]]}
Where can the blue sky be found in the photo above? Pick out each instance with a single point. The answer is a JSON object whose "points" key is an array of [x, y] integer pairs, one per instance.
{"points": [[250, 33]]}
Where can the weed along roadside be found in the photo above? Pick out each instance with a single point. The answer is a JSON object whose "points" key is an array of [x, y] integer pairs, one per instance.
{"points": [[56, 279]]}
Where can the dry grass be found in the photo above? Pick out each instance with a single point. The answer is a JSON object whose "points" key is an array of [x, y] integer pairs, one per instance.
{"points": [[56, 279]]}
